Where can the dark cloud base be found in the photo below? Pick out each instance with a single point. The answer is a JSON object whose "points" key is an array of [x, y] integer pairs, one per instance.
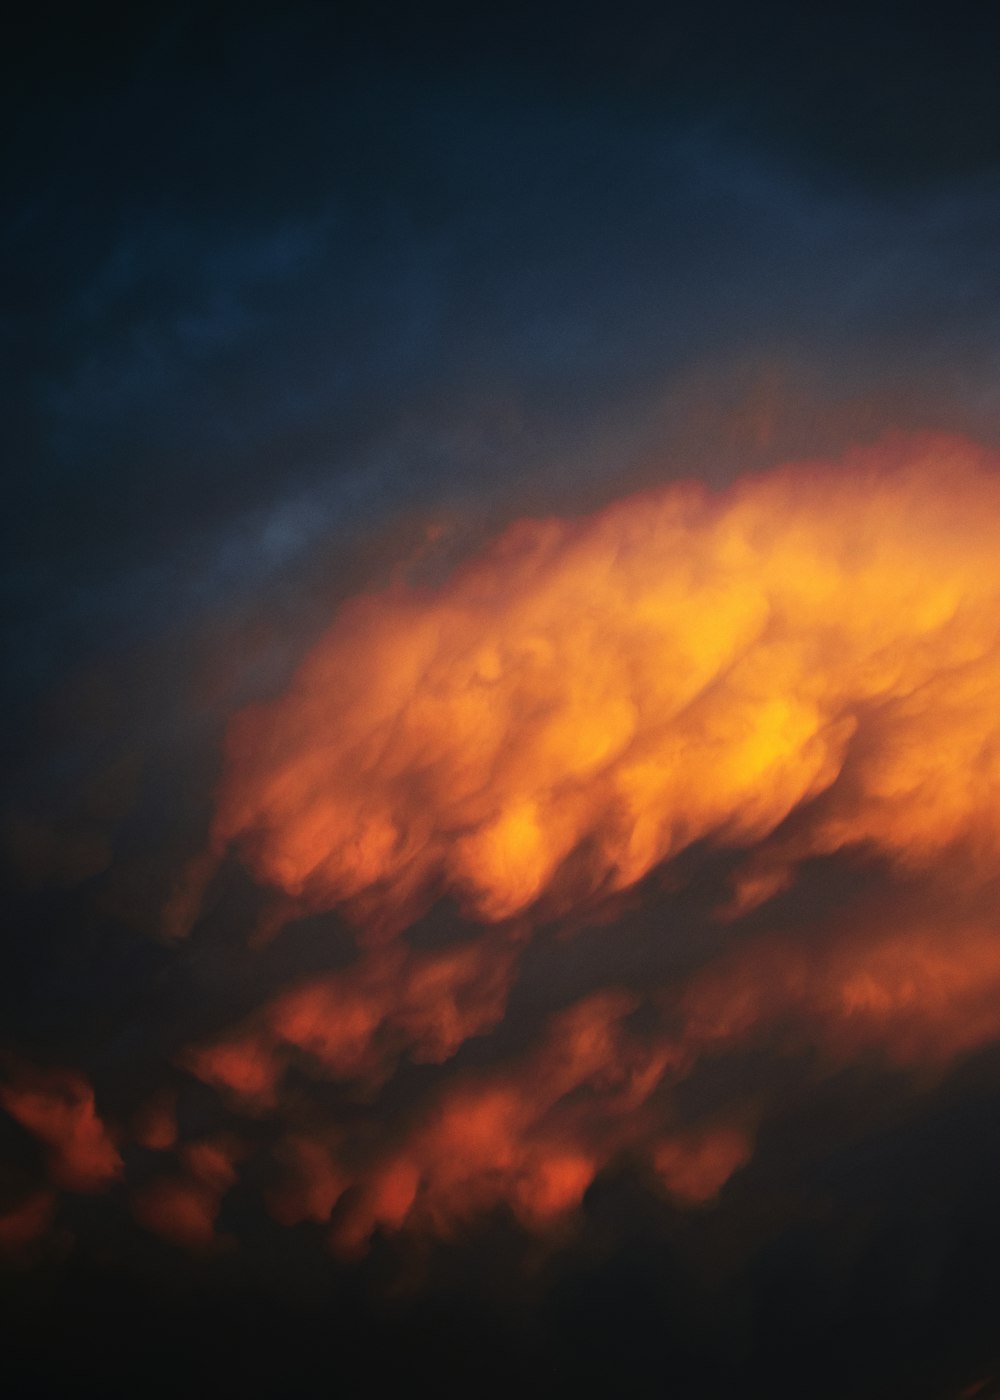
{"points": [[825, 1274]]}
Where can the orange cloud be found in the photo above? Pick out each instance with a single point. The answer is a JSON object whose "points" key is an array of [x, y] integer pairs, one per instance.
{"points": [[534, 1135], [58, 1108], [803, 665], [312, 1182], [694, 1166], [921, 989], [179, 1210], [530, 1136], [806, 663], [182, 1208], [681, 665], [353, 1025]]}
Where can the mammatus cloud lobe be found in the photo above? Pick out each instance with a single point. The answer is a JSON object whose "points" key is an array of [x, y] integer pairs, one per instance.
{"points": [[804, 665], [58, 1108], [593, 695]]}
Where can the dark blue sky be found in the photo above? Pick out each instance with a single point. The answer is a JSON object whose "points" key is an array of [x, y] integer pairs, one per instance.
{"points": [[274, 275]]}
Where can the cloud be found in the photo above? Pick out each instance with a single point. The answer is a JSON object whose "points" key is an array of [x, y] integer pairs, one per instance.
{"points": [[801, 666], [513, 1136], [354, 1025], [25, 1225], [182, 1207], [592, 696], [692, 797], [587, 860], [57, 1107], [918, 986]]}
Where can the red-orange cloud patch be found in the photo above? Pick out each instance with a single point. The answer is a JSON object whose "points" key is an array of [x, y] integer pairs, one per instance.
{"points": [[182, 1207], [529, 1136], [353, 1025], [919, 989], [58, 1108]]}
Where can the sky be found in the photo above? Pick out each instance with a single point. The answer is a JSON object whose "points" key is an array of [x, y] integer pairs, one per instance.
{"points": [[501, 563]]}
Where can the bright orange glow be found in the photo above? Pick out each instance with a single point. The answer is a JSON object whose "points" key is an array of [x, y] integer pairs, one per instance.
{"points": [[530, 1137], [679, 666]]}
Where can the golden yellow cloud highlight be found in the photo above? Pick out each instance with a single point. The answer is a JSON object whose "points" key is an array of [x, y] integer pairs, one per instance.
{"points": [[593, 695]]}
